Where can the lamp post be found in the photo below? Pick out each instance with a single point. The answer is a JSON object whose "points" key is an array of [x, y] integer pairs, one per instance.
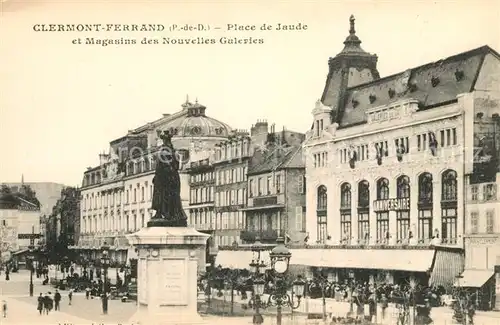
{"points": [[105, 265], [31, 257], [351, 287], [280, 261], [256, 267]]}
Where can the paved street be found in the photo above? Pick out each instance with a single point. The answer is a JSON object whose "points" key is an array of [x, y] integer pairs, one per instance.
{"points": [[22, 309]]}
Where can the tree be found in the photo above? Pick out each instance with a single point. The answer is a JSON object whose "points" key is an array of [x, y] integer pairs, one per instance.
{"points": [[5, 190]]}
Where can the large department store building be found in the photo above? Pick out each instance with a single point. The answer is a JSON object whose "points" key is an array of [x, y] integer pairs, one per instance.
{"points": [[386, 164], [116, 195]]}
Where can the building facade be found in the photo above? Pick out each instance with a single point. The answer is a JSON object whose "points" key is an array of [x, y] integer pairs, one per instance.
{"points": [[276, 194], [116, 195], [386, 163], [46, 192]]}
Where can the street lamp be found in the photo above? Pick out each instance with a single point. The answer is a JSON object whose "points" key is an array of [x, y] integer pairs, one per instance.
{"points": [[280, 261], [31, 257], [105, 265], [351, 287], [256, 267]]}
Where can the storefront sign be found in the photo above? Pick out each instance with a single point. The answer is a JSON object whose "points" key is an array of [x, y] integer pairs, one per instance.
{"points": [[392, 204]]}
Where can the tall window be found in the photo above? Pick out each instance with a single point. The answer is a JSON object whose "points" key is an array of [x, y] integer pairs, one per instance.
{"points": [[382, 216], [403, 216], [449, 207], [425, 191], [363, 212], [321, 213], [250, 188], [345, 212]]}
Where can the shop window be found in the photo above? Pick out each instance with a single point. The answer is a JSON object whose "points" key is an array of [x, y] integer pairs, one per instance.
{"points": [[345, 213], [403, 216], [363, 212], [425, 207], [321, 213], [449, 207]]}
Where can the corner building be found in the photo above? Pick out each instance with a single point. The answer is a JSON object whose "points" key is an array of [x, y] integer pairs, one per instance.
{"points": [[386, 162]]}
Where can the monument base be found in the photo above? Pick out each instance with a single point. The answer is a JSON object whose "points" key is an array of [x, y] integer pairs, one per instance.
{"points": [[167, 269]]}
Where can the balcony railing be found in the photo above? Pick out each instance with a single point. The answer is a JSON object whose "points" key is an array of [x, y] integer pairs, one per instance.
{"points": [[485, 192], [265, 236]]}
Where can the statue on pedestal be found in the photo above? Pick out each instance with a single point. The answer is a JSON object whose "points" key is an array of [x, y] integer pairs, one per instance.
{"points": [[167, 187]]}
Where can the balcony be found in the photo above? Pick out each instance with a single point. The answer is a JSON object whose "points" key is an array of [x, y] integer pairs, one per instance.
{"points": [[485, 192], [265, 236]]}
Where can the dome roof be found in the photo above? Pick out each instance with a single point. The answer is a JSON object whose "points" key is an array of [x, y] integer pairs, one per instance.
{"points": [[196, 124]]}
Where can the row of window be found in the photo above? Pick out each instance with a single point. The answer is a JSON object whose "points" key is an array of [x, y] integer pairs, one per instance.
{"points": [[425, 208], [233, 149], [490, 222], [202, 177], [201, 195], [208, 219], [401, 146], [320, 159], [231, 197], [94, 224], [268, 185], [139, 193], [232, 175]]}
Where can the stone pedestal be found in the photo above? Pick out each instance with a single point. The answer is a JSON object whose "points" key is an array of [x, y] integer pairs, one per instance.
{"points": [[167, 275]]}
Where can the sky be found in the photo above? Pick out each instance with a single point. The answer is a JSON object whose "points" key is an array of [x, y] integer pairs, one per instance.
{"points": [[62, 103]]}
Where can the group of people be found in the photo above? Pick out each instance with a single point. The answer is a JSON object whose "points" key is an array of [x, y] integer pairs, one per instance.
{"points": [[47, 302]]}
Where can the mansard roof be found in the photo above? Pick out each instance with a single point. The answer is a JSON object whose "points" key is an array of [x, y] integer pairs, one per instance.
{"points": [[433, 84], [276, 159]]}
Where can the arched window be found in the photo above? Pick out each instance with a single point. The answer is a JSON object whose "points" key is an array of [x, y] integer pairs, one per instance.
{"points": [[363, 212], [449, 207], [363, 194], [403, 189], [345, 213], [321, 213], [403, 214], [382, 215], [322, 198], [449, 186], [382, 189], [425, 210], [345, 196], [425, 188]]}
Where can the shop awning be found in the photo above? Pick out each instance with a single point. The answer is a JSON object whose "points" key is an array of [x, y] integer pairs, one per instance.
{"points": [[447, 265], [380, 259], [474, 278], [239, 259], [19, 252]]}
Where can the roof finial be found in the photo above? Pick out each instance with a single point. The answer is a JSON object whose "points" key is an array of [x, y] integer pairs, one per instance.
{"points": [[196, 100], [187, 98], [22, 179], [352, 30]]}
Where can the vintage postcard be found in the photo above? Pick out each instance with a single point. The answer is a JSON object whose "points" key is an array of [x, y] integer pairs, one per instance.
{"points": [[250, 162]]}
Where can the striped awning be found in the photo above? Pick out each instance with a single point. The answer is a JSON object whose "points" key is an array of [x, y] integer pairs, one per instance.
{"points": [[447, 265], [473, 278], [376, 259], [121, 242]]}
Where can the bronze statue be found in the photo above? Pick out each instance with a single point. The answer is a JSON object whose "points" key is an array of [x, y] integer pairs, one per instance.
{"points": [[167, 187]]}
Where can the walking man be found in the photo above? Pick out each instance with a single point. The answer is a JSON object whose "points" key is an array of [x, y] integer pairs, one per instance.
{"points": [[4, 309], [70, 296], [57, 300]]}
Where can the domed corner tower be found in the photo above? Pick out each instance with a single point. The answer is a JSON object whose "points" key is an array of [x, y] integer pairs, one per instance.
{"points": [[351, 67]]}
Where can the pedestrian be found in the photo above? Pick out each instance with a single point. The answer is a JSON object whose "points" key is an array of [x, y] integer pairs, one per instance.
{"points": [[70, 296], [87, 293], [384, 303], [39, 306], [57, 300], [4, 309]]}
